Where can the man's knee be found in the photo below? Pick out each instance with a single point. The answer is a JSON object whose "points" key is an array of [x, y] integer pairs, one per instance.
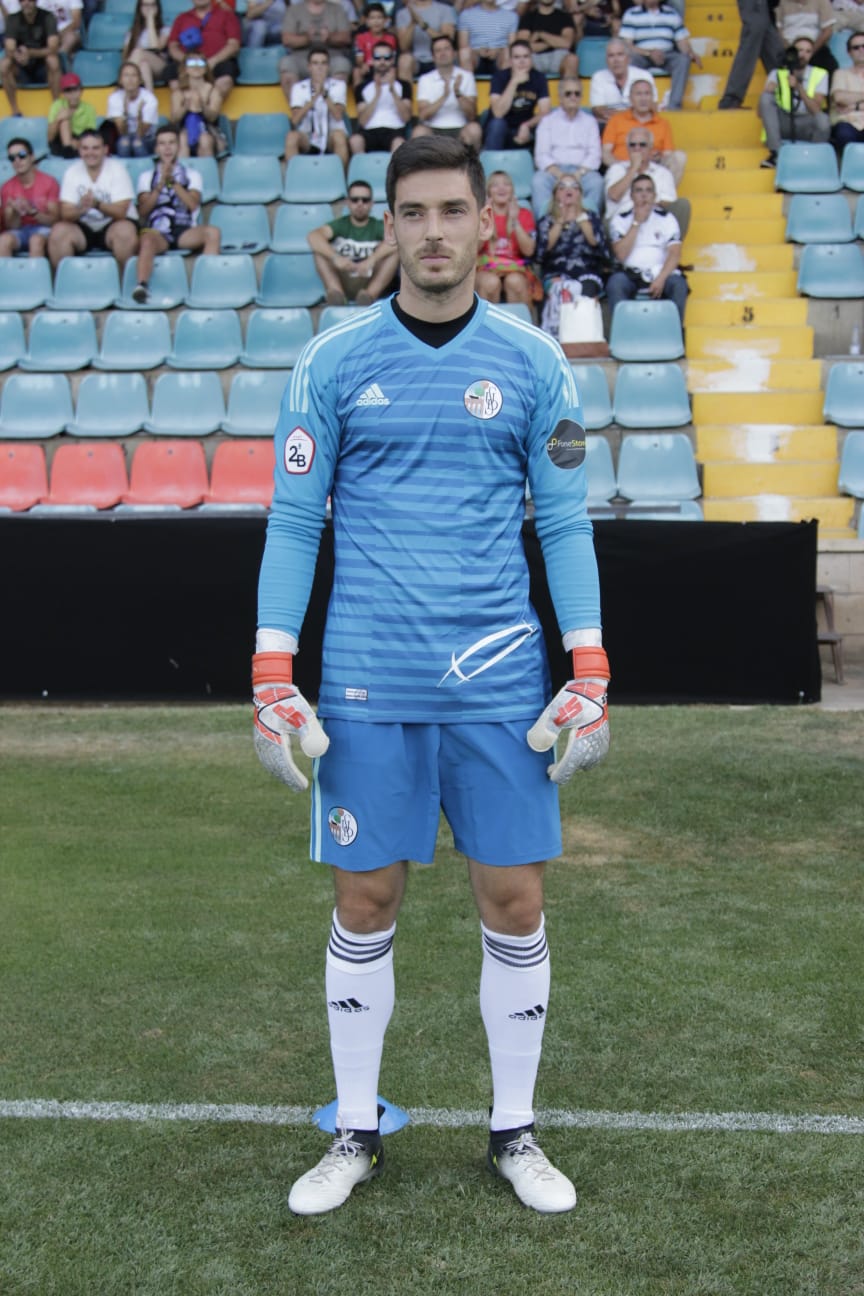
{"points": [[369, 902]]}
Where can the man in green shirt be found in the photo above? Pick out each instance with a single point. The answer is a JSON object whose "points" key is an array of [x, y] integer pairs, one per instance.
{"points": [[351, 257]]}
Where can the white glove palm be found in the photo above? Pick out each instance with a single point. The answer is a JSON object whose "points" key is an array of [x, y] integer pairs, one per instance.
{"points": [[282, 716], [580, 710]]}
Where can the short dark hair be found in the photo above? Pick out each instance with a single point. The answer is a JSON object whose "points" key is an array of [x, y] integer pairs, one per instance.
{"points": [[317, 49], [361, 184], [435, 153], [166, 129], [21, 143], [643, 175], [525, 45], [375, 6], [90, 131], [442, 36]]}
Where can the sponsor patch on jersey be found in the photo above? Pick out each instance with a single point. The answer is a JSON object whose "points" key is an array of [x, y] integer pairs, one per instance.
{"points": [[299, 451], [483, 399], [566, 445], [342, 825]]}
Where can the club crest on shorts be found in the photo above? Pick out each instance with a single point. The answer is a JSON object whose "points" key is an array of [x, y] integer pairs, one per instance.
{"points": [[299, 451], [342, 825], [483, 399]]}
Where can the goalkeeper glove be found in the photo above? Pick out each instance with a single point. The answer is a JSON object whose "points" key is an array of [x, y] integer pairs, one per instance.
{"points": [[580, 709], [282, 715]]}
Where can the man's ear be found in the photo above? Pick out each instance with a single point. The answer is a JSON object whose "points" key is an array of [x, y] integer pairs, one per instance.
{"points": [[389, 229], [487, 224]]}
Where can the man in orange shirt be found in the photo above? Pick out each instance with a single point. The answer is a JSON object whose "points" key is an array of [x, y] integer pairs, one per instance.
{"points": [[642, 113]]}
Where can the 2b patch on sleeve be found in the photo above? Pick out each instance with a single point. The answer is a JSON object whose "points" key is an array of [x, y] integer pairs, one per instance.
{"points": [[299, 451], [566, 445]]}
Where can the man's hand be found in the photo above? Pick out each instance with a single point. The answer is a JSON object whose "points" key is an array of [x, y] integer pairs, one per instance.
{"points": [[282, 714], [580, 709]]}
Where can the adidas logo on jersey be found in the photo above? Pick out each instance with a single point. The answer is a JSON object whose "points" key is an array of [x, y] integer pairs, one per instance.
{"points": [[372, 396], [347, 1005], [536, 1013]]}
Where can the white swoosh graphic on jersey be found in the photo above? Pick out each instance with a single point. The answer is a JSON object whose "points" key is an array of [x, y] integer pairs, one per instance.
{"points": [[457, 662]]}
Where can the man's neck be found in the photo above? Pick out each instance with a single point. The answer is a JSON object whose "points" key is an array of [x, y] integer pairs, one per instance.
{"points": [[435, 308], [359, 224]]}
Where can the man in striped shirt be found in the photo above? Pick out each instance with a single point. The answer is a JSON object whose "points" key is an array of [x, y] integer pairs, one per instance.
{"points": [[485, 34], [657, 39]]}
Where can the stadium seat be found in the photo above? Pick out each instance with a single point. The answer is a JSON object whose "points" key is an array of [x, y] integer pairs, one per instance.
{"points": [[60, 341], [658, 468], [818, 218], [852, 465], [12, 344], [110, 405], [371, 167], [831, 270], [837, 46], [594, 394], [55, 166], [34, 406], [664, 511], [858, 226], [206, 339], [242, 474], [852, 168], [259, 66], [222, 282], [253, 402], [85, 283], [208, 169], [289, 279], [136, 167], [23, 477], [97, 68], [106, 31], [33, 129], [126, 7], [313, 178], [646, 330], [275, 338], [250, 180], [244, 228], [87, 476], [651, 396], [134, 340], [294, 221], [261, 134], [592, 55], [518, 163], [844, 395], [25, 283], [520, 309], [167, 475], [807, 168], [186, 404], [599, 470], [331, 315], [168, 285]]}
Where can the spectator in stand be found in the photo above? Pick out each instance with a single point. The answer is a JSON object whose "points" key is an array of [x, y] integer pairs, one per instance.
{"points": [[31, 52], [134, 112], [620, 176], [373, 33], [383, 106], [196, 104], [503, 270], [657, 38], [147, 42], [647, 242], [572, 253], [318, 111], [814, 19], [352, 259], [551, 34], [95, 198], [642, 113], [262, 23], [169, 207], [793, 103], [486, 33], [596, 17], [447, 98], [610, 86], [67, 15], [69, 116], [319, 23], [30, 202], [759, 39], [847, 97], [518, 100], [567, 141], [210, 31], [418, 24]]}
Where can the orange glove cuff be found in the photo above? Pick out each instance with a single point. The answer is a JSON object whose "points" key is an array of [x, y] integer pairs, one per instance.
{"points": [[590, 663], [272, 668]]}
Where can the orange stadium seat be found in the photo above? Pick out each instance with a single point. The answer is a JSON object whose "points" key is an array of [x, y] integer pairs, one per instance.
{"points": [[23, 477], [91, 476], [167, 475]]}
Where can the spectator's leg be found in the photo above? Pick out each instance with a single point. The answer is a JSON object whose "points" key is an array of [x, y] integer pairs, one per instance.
{"points": [[337, 142], [815, 128], [772, 117], [488, 286], [593, 193], [678, 66], [10, 83], [255, 36], [495, 136], [675, 289], [517, 289], [471, 133], [619, 287], [151, 244], [200, 238], [542, 185], [66, 239], [121, 239]]}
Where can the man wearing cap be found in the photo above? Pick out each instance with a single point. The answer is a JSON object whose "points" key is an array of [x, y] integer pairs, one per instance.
{"points": [[31, 52], [69, 117], [95, 197]]}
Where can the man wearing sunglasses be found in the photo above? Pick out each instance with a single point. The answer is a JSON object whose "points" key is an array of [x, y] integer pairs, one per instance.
{"points": [[640, 161], [351, 257], [847, 96], [383, 105], [567, 141], [30, 201]]}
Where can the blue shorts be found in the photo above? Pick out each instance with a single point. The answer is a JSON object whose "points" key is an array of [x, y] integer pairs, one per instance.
{"points": [[378, 794], [24, 233]]}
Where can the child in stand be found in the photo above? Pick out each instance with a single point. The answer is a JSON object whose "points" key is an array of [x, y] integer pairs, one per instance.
{"points": [[195, 108], [135, 113]]}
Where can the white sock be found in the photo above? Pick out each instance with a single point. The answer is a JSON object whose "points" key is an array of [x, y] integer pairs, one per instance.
{"points": [[360, 996], [514, 997]]}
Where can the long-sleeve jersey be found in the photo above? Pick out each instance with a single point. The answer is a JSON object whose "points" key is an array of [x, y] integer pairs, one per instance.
{"points": [[425, 453]]}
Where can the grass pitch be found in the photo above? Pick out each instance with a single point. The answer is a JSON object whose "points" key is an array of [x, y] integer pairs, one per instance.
{"points": [[162, 939]]}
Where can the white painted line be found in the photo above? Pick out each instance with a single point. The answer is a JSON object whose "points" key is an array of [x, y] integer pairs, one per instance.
{"points": [[441, 1117]]}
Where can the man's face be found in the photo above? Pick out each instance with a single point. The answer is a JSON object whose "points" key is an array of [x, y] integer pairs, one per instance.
{"points": [[570, 94], [382, 58], [28, 8], [319, 66], [641, 98], [21, 159], [359, 204], [617, 59], [92, 151], [437, 228], [643, 194], [376, 21], [521, 59], [166, 148], [804, 49], [442, 53], [639, 146]]}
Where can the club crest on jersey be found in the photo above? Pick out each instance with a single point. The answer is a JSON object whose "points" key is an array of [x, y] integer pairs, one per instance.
{"points": [[342, 825], [483, 399], [299, 451]]}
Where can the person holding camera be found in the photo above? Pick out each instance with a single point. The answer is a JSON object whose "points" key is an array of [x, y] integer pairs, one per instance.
{"points": [[792, 105], [318, 108], [383, 105]]}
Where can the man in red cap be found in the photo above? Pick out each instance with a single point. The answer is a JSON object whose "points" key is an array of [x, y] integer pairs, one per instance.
{"points": [[31, 52]]}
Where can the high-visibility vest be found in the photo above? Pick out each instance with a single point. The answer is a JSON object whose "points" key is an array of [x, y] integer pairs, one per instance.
{"points": [[783, 92]]}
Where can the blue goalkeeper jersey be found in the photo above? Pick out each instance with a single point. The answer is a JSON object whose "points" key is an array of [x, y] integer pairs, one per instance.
{"points": [[425, 453]]}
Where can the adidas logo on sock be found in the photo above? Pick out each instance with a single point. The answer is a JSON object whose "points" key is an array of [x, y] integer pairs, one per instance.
{"points": [[537, 1013], [347, 1005], [373, 396]]}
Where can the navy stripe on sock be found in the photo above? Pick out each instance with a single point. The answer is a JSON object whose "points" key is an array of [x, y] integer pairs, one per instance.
{"points": [[342, 947], [519, 956]]}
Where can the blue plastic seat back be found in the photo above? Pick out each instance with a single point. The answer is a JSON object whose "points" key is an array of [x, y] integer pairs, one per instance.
{"points": [[110, 405], [594, 394], [294, 221], [243, 228], [657, 467], [646, 330], [332, 315], [599, 470], [260, 66], [34, 405], [858, 226], [831, 270], [261, 134], [852, 465], [97, 68], [807, 168], [852, 168], [592, 55], [651, 396], [517, 162], [664, 511], [250, 180], [314, 178], [133, 340], [12, 342], [222, 282], [371, 167], [844, 394], [25, 283], [208, 169], [106, 31], [168, 284], [818, 218], [290, 279], [33, 129], [186, 404], [206, 339], [275, 338], [254, 400], [60, 341], [85, 283]]}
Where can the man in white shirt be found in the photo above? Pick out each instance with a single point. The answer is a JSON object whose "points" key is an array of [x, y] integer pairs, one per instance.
{"points": [[647, 241], [567, 141], [318, 111], [447, 98], [620, 176], [610, 86], [384, 106], [95, 198]]}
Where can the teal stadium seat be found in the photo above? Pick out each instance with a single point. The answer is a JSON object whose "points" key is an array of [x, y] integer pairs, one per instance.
{"points": [[33, 129], [85, 283], [60, 341], [852, 168], [87, 477], [34, 406], [371, 167], [208, 169], [807, 168], [136, 166], [97, 68], [12, 343], [166, 476], [592, 55], [275, 338], [206, 339], [253, 402], [852, 465], [168, 284], [25, 283], [110, 405], [594, 394], [646, 330], [134, 340], [844, 395], [186, 404], [657, 468], [837, 46], [261, 134], [518, 163], [243, 228], [858, 226], [259, 66], [520, 309], [55, 166], [831, 270], [289, 279], [241, 476], [664, 511], [23, 477], [332, 315], [106, 31], [294, 221], [651, 396], [599, 470], [250, 180], [313, 178], [818, 218], [126, 7], [222, 282]]}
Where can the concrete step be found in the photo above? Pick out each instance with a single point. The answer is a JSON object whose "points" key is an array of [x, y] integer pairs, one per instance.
{"points": [[783, 342], [738, 210], [742, 285], [794, 408], [693, 129], [731, 480], [768, 443], [712, 181], [727, 160], [756, 312], [707, 254], [746, 372], [833, 515]]}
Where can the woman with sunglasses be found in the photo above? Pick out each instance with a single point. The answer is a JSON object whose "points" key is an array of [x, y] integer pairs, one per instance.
{"points": [[847, 97], [503, 272], [147, 41], [572, 251], [195, 108]]}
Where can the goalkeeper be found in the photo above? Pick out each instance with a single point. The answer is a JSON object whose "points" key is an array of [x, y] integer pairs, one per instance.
{"points": [[422, 417]]}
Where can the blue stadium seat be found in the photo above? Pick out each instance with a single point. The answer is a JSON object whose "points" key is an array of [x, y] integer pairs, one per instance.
{"points": [[85, 283], [133, 340], [844, 395], [250, 180], [34, 406], [186, 405], [275, 338], [136, 166], [110, 405], [664, 511], [60, 341], [313, 178], [294, 221], [12, 343], [208, 169], [807, 168], [25, 283], [206, 339], [651, 396], [289, 279], [244, 228], [126, 7], [837, 46], [594, 394], [818, 218], [852, 168], [168, 285], [852, 466], [646, 330], [253, 402], [261, 134], [518, 163], [55, 166], [599, 470], [371, 167], [33, 129], [97, 68], [222, 282], [260, 66], [331, 315], [106, 31], [658, 467], [831, 270], [858, 226], [592, 55]]}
